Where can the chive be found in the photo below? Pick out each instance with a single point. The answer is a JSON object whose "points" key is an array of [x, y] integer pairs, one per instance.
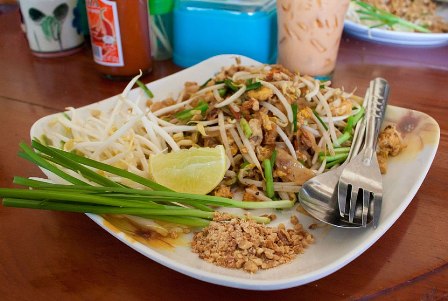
{"points": [[188, 114], [222, 92], [29, 155], [267, 166], [358, 115], [145, 89], [104, 167], [244, 164], [351, 122], [115, 199], [66, 116], [205, 83], [320, 120], [73, 207], [344, 137], [349, 127], [335, 157], [69, 163], [230, 84], [333, 163], [146, 195], [294, 117], [253, 86], [45, 140], [337, 150], [184, 220], [246, 127]]}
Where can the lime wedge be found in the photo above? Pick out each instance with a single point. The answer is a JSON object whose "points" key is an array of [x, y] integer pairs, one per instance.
{"points": [[194, 170]]}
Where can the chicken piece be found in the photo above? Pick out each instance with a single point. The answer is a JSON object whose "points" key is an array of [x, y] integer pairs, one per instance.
{"points": [[279, 72], [264, 152], [191, 87], [294, 171], [382, 161], [271, 135], [257, 133], [266, 121], [261, 94], [307, 138], [248, 107], [155, 106], [211, 141], [390, 143], [303, 116], [248, 197], [223, 191], [342, 107]]}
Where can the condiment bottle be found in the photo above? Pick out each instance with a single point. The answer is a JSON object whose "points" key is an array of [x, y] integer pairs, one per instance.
{"points": [[119, 32]]}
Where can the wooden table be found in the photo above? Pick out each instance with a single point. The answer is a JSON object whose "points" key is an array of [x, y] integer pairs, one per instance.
{"points": [[65, 256]]}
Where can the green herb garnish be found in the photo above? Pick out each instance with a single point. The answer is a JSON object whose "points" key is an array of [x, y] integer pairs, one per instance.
{"points": [[145, 89], [267, 167], [231, 85], [253, 86], [294, 108], [246, 128], [371, 13], [188, 114]]}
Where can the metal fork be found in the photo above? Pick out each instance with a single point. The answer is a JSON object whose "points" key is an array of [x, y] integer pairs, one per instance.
{"points": [[361, 179]]}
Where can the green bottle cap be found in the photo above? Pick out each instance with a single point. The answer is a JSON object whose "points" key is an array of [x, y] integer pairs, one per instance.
{"points": [[160, 7]]}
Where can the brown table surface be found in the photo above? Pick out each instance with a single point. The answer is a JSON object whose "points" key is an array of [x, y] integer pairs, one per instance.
{"points": [[65, 256]]}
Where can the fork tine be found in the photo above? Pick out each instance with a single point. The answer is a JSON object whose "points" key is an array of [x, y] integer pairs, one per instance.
{"points": [[365, 206], [377, 200], [353, 200], [342, 197]]}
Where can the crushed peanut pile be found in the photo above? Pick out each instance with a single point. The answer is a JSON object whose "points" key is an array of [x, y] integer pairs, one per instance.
{"points": [[243, 244]]}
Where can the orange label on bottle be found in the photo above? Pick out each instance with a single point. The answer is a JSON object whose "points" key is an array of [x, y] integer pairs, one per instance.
{"points": [[105, 32]]}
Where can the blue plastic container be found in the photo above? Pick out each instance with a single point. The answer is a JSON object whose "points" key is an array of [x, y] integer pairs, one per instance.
{"points": [[203, 29]]}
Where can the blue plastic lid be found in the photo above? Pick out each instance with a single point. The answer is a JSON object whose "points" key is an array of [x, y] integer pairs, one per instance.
{"points": [[248, 6]]}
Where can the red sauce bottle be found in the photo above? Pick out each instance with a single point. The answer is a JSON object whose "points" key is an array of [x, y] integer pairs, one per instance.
{"points": [[119, 32]]}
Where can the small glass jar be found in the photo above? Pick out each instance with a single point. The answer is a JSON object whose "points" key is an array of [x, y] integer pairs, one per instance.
{"points": [[119, 32], [161, 26]]}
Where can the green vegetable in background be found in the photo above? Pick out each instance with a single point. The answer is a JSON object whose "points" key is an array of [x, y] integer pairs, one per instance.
{"points": [[371, 13]]}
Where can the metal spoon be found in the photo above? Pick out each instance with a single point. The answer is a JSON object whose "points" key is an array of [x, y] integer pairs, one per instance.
{"points": [[318, 196]]}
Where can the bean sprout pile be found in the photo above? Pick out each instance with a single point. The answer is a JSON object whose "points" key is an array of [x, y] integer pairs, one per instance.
{"points": [[278, 129]]}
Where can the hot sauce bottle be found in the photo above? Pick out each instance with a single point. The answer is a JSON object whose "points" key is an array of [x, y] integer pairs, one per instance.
{"points": [[119, 32]]}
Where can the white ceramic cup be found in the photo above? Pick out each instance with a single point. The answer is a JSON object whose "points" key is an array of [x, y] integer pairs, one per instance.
{"points": [[52, 26]]}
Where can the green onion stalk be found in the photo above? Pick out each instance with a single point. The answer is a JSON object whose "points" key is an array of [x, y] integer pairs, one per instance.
{"points": [[92, 192], [341, 153]]}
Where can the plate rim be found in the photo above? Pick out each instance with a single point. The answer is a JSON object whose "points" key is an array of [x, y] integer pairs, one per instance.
{"points": [[395, 37]]}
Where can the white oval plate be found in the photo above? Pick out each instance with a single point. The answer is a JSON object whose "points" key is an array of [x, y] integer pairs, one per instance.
{"points": [[334, 247], [395, 37]]}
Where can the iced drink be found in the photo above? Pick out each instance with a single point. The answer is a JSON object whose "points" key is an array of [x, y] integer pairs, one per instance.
{"points": [[309, 32]]}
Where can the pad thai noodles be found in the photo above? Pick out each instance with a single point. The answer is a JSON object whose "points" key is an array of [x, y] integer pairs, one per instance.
{"points": [[278, 129]]}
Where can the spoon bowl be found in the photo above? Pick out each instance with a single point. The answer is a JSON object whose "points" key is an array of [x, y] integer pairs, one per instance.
{"points": [[319, 197]]}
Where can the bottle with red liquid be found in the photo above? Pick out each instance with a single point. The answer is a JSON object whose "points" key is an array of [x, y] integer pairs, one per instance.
{"points": [[119, 32]]}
